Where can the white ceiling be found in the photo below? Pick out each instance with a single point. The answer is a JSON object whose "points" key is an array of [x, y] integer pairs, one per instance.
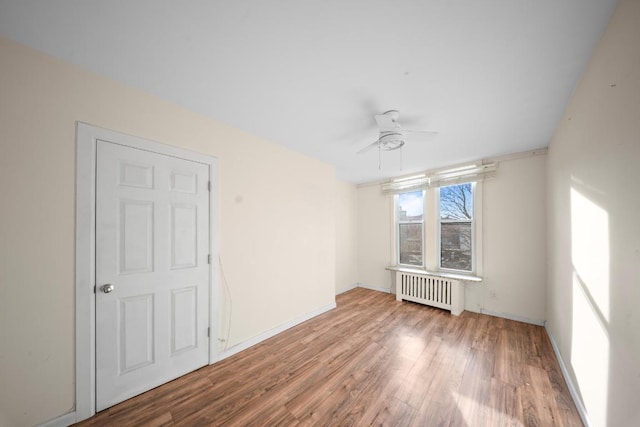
{"points": [[493, 77]]}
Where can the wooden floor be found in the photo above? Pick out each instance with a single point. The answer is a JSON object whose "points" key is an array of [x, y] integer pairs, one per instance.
{"points": [[371, 361]]}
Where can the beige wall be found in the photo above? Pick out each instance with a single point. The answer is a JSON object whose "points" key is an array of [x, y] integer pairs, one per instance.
{"points": [[277, 221], [594, 234], [346, 236], [374, 237], [514, 239], [514, 242]]}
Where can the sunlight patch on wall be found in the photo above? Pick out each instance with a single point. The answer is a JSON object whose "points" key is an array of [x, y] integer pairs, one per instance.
{"points": [[590, 316], [590, 356], [590, 249]]}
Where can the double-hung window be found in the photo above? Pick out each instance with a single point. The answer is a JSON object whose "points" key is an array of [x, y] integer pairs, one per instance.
{"points": [[441, 237], [438, 218], [456, 249], [410, 228]]}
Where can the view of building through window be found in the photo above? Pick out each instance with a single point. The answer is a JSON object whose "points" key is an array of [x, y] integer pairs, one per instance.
{"points": [[456, 231], [455, 220], [410, 221]]}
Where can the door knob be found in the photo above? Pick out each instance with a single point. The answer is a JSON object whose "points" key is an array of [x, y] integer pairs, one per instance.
{"points": [[107, 288]]}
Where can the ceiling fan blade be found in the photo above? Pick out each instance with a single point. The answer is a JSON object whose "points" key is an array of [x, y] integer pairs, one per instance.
{"points": [[368, 147], [385, 123]]}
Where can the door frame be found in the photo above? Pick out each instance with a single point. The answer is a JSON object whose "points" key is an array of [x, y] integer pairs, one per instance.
{"points": [[85, 268]]}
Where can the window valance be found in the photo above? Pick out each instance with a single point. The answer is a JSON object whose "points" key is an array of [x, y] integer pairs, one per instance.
{"points": [[440, 178]]}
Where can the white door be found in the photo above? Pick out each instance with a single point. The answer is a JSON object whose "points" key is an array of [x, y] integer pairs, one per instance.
{"points": [[152, 272]]}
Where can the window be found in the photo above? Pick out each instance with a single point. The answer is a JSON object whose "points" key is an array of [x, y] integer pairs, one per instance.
{"points": [[410, 224], [438, 222], [456, 227]]}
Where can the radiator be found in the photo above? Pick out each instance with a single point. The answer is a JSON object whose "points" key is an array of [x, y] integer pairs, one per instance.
{"points": [[430, 290]]}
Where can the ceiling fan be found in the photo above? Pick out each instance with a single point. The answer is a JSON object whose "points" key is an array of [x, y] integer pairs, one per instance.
{"points": [[392, 136]]}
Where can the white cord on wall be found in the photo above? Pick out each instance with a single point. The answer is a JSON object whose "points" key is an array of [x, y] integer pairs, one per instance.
{"points": [[228, 291]]}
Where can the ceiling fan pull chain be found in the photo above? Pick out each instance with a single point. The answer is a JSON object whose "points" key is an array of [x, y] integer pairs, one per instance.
{"points": [[401, 158], [379, 157]]}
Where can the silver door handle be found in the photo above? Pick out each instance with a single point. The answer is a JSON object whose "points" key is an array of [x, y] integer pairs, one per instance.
{"points": [[107, 288]]}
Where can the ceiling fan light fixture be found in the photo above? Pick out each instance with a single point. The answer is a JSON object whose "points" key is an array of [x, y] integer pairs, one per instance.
{"points": [[390, 141]]}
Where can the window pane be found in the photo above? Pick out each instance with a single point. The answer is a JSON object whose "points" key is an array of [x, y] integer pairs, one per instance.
{"points": [[456, 202], [410, 243], [410, 206], [455, 245]]}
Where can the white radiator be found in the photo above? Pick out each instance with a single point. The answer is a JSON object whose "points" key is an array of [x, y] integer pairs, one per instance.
{"points": [[430, 290]]}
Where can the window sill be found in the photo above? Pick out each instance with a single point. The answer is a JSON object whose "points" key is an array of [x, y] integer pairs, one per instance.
{"points": [[462, 277]]}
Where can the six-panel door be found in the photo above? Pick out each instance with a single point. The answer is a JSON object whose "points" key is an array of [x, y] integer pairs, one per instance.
{"points": [[152, 275]]}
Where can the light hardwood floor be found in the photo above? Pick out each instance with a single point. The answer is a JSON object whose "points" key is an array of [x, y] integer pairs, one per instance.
{"points": [[371, 361]]}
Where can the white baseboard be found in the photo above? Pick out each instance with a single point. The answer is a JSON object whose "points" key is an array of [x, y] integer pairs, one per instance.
{"points": [[72, 417], [62, 421], [374, 288], [567, 378], [348, 288], [515, 317], [272, 332]]}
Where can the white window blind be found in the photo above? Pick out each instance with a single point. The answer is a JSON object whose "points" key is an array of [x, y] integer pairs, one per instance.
{"points": [[441, 178]]}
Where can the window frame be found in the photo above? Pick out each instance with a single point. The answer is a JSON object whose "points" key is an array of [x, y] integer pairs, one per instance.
{"points": [[431, 234], [397, 224], [473, 222]]}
